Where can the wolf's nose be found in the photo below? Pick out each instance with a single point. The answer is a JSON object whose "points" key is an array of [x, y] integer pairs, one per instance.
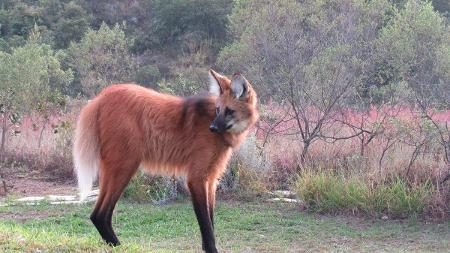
{"points": [[213, 128]]}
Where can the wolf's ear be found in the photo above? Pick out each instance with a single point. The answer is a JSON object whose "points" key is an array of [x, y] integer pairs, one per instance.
{"points": [[239, 87], [215, 87]]}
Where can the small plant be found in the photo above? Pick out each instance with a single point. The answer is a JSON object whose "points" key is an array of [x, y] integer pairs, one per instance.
{"points": [[179, 86], [148, 76], [248, 170], [144, 188], [328, 192], [402, 200]]}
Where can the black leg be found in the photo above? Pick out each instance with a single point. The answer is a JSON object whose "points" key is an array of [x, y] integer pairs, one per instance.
{"points": [[102, 221], [211, 217], [112, 185], [199, 200]]}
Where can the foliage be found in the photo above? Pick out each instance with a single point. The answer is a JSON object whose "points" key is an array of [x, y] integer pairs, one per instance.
{"points": [[144, 188], [59, 21], [443, 6], [148, 76], [308, 56], [30, 76], [327, 192], [422, 31], [16, 19], [340, 83], [179, 85], [424, 66], [71, 25], [101, 58], [65, 131], [248, 170], [175, 23]]}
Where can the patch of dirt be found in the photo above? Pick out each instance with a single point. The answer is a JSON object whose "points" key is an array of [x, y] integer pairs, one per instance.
{"points": [[24, 216], [36, 183], [35, 187]]}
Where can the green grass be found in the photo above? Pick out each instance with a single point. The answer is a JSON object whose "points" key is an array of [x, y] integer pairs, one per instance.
{"points": [[240, 227], [327, 192]]}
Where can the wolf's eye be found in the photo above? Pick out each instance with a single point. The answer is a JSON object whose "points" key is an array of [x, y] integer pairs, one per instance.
{"points": [[228, 112], [217, 110]]}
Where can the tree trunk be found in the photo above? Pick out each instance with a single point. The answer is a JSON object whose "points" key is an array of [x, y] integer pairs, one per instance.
{"points": [[414, 156], [362, 147], [3, 141], [42, 134], [389, 144], [306, 145], [2, 151]]}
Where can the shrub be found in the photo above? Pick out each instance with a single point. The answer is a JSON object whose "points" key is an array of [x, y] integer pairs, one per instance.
{"points": [[144, 188], [247, 174], [148, 76], [328, 192], [402, 200], [179, 86], [101, 58]]}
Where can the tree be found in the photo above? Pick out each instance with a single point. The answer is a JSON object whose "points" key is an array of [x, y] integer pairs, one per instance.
{"points": [[66, 21], [16, 20], [308, 56], [415, 44], [172, 24], [60, 21], [27, 75], [101, 58], [443, 6]]}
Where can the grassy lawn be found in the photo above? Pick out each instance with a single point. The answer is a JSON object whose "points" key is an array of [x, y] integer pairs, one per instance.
{"points": [[241, 227]]}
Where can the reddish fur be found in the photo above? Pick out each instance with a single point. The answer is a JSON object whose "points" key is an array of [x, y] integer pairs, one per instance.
{"points": [[138, 124], [166, 135]]}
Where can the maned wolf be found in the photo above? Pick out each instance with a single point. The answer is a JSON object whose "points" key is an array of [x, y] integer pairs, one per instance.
{"points": [[127, 127]]}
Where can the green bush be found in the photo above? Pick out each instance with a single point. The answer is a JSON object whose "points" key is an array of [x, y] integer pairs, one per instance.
{"points": [[101, 58], [148, 76], [327, 192], [144, 188], [180, 86], [243, 181], [248, 171]]}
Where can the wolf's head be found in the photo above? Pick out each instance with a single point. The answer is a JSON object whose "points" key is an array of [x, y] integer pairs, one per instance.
{"points": [[235, 104]]}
